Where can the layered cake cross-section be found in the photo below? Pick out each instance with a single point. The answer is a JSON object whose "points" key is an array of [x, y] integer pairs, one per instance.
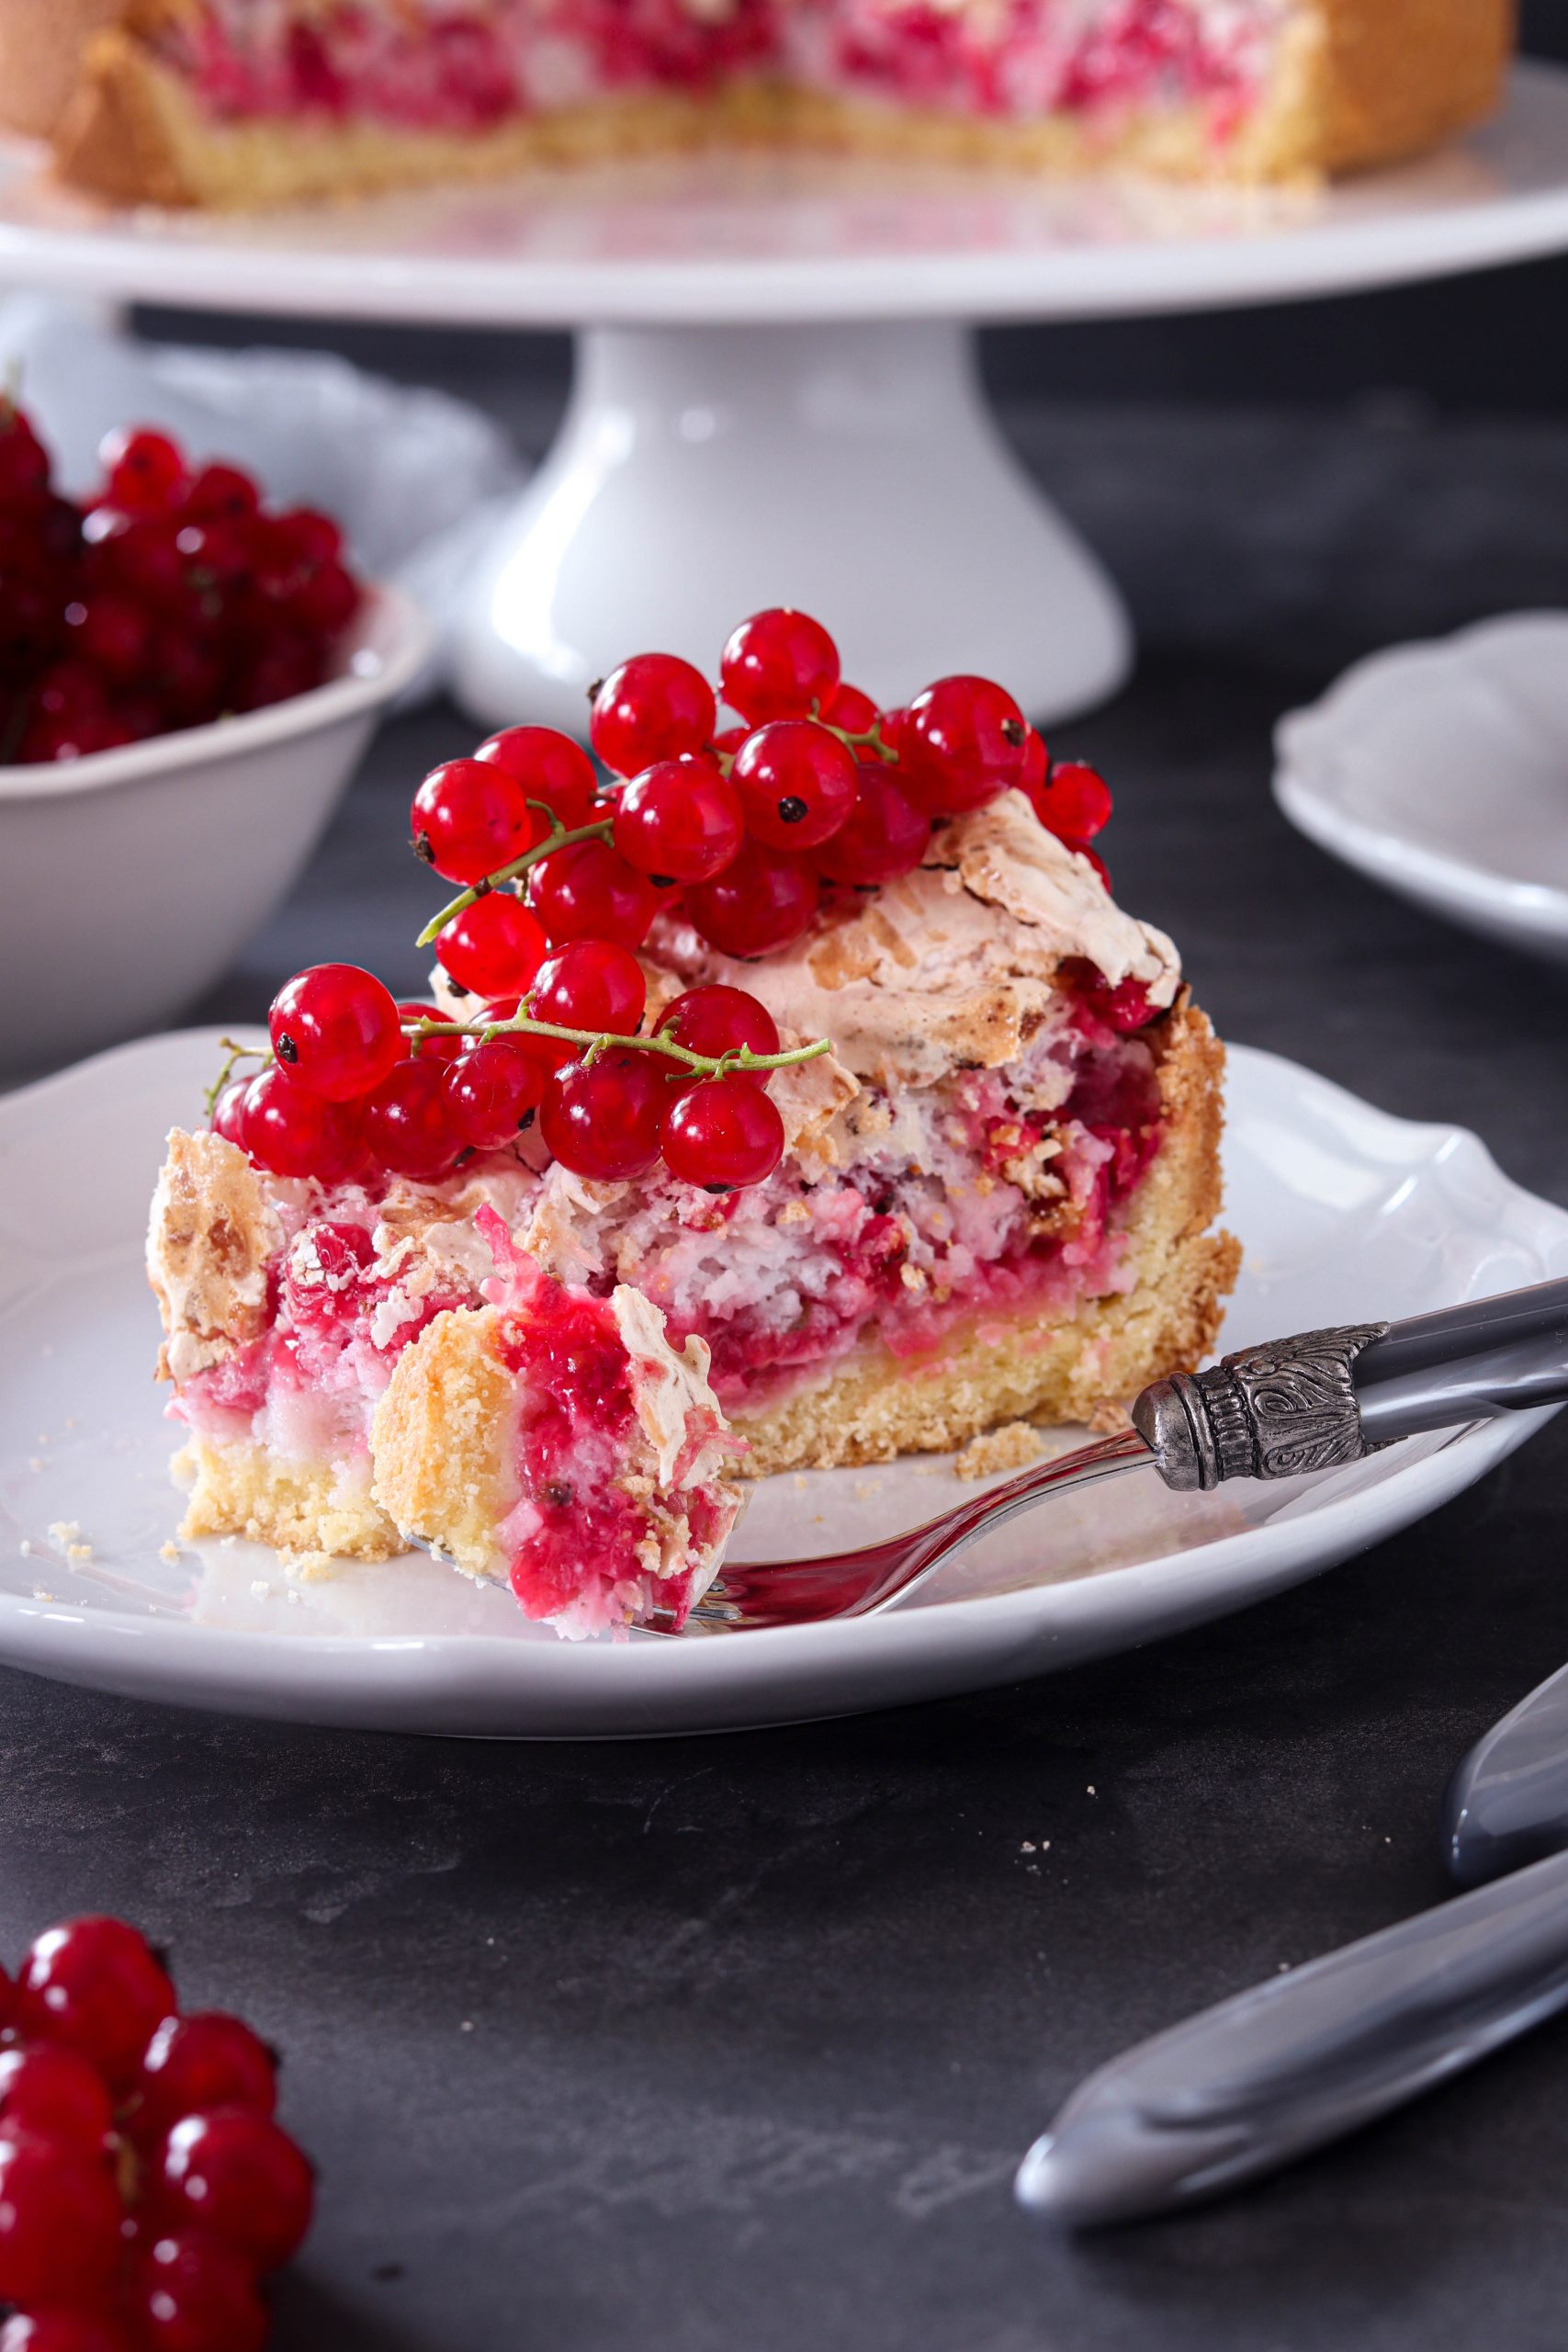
{"points": [[984, 1187], [246, 102]]}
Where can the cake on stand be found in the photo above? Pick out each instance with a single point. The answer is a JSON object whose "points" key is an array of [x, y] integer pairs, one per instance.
{"points": [[776, 395]]}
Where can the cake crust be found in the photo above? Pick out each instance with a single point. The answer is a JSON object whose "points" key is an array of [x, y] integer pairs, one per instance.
{"points": [[1355, 84]]}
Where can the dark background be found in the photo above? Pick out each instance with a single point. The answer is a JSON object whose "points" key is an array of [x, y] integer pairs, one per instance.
{"points": [[731, 2045]]}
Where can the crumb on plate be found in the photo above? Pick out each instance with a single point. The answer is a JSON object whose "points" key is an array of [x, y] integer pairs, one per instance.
{"points": [[1012, 1447]]}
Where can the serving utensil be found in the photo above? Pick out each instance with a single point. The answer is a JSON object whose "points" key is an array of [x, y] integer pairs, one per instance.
{"points": [[1314, 1402], [1247, 2086]]}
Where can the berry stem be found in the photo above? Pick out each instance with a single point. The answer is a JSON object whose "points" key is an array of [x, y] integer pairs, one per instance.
{"points": [[559, 837], [606, 1041], [233, 1052]]}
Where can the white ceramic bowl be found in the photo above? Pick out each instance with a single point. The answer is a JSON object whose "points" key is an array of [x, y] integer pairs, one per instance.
{"points": [[129, 880]]}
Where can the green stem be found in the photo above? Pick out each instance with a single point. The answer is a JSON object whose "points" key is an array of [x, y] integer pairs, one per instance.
{"points": [[710, 1065], [558, 837], [235, 1053]]}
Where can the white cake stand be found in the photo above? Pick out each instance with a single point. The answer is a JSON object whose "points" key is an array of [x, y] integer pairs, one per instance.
{"points": [[775, 397]]}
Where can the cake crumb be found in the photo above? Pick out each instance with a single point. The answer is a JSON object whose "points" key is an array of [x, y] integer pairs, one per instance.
{"points": [[43, 1592], [1012, 1447], [261, 1590], [67, 1534], [34, 1463], [1108, 1418], [169, 1551], [27, 1549]]}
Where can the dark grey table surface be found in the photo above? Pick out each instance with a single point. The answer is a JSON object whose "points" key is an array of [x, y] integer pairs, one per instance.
{"points": [[734, 2044]]}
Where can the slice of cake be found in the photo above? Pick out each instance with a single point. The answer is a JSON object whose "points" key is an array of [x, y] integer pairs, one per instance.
{"points": [[233, 102], [834, 1168]]}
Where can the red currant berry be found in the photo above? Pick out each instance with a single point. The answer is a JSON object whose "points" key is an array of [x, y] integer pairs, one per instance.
{"points": [[7, 1990], [54, 2094], [470, 817], [884, 835], [550, 767], [960, 743], [653, 707], [431, 1049], [717, 1021], [335, 1029], [722, 1133], [408, 1124], [222, 494], [679, 821], [1074, 802], [590, 984], [730, 738], [228, 1112], [97, 1986], [23, 462], [756, 906], [240, 2176], [146, 472], [286, 1128], [1124, 1007], [304, 535], [324, 600], [492, 1093], [60, 2217], [195, 2294], [851, 710], [796, 784], [780, 665], [112, 635], [494, 947], [601, 1120], [200, 2062], [1036, 762], [61, 2331], [588, 891]]}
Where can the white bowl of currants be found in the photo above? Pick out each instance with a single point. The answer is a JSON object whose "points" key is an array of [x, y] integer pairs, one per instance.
{"points": [[186, 684]]}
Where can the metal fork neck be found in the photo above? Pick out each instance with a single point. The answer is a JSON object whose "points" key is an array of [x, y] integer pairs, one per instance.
{"points": [[1268, 1412]]}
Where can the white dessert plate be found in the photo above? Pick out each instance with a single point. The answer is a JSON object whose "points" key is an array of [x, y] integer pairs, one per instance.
{"points": [[1345, 1213], [1441, 771], [728, 238]]}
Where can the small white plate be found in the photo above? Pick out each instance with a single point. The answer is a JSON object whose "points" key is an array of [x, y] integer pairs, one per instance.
{"points": [[1346, 1214], [1441, 771]]}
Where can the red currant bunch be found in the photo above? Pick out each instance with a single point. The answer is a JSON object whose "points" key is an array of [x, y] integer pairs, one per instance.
{"points": [[171, 598], [146, 2190]]}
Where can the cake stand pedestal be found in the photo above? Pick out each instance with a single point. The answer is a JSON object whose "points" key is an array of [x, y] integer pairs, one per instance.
{"points": [[702, 473], [776, 398]]}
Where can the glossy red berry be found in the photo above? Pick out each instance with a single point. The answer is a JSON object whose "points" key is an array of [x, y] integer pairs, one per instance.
{"points": [[146, 472], [431, 1049], [884, 835], [757, 905], [652, 708], [304, 535], [240, 2176], [1036, 762], [715, 1021], [854, 711], [779, 664], [722, 1133], [492, 1093], [550, 767], [408, 1124], [796, 784], [960, 743], [222, 494], [111, 634], [590, 984], [494, 947], [97, 1986], [203, 2060], [286, 1128], [335, 1029], [601, 1120], [60, 2217], [195, 2294], [588, 891], [470, 817], [1074, 801], [58, 2330], [228, 1112], [678, 821], [54, 2094]]}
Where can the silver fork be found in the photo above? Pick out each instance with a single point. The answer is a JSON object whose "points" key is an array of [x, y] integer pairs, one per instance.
{"points": [[1314, 1402]]}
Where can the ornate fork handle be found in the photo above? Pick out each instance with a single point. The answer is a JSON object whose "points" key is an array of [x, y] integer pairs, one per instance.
{"points": [[1265, 1413]]}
